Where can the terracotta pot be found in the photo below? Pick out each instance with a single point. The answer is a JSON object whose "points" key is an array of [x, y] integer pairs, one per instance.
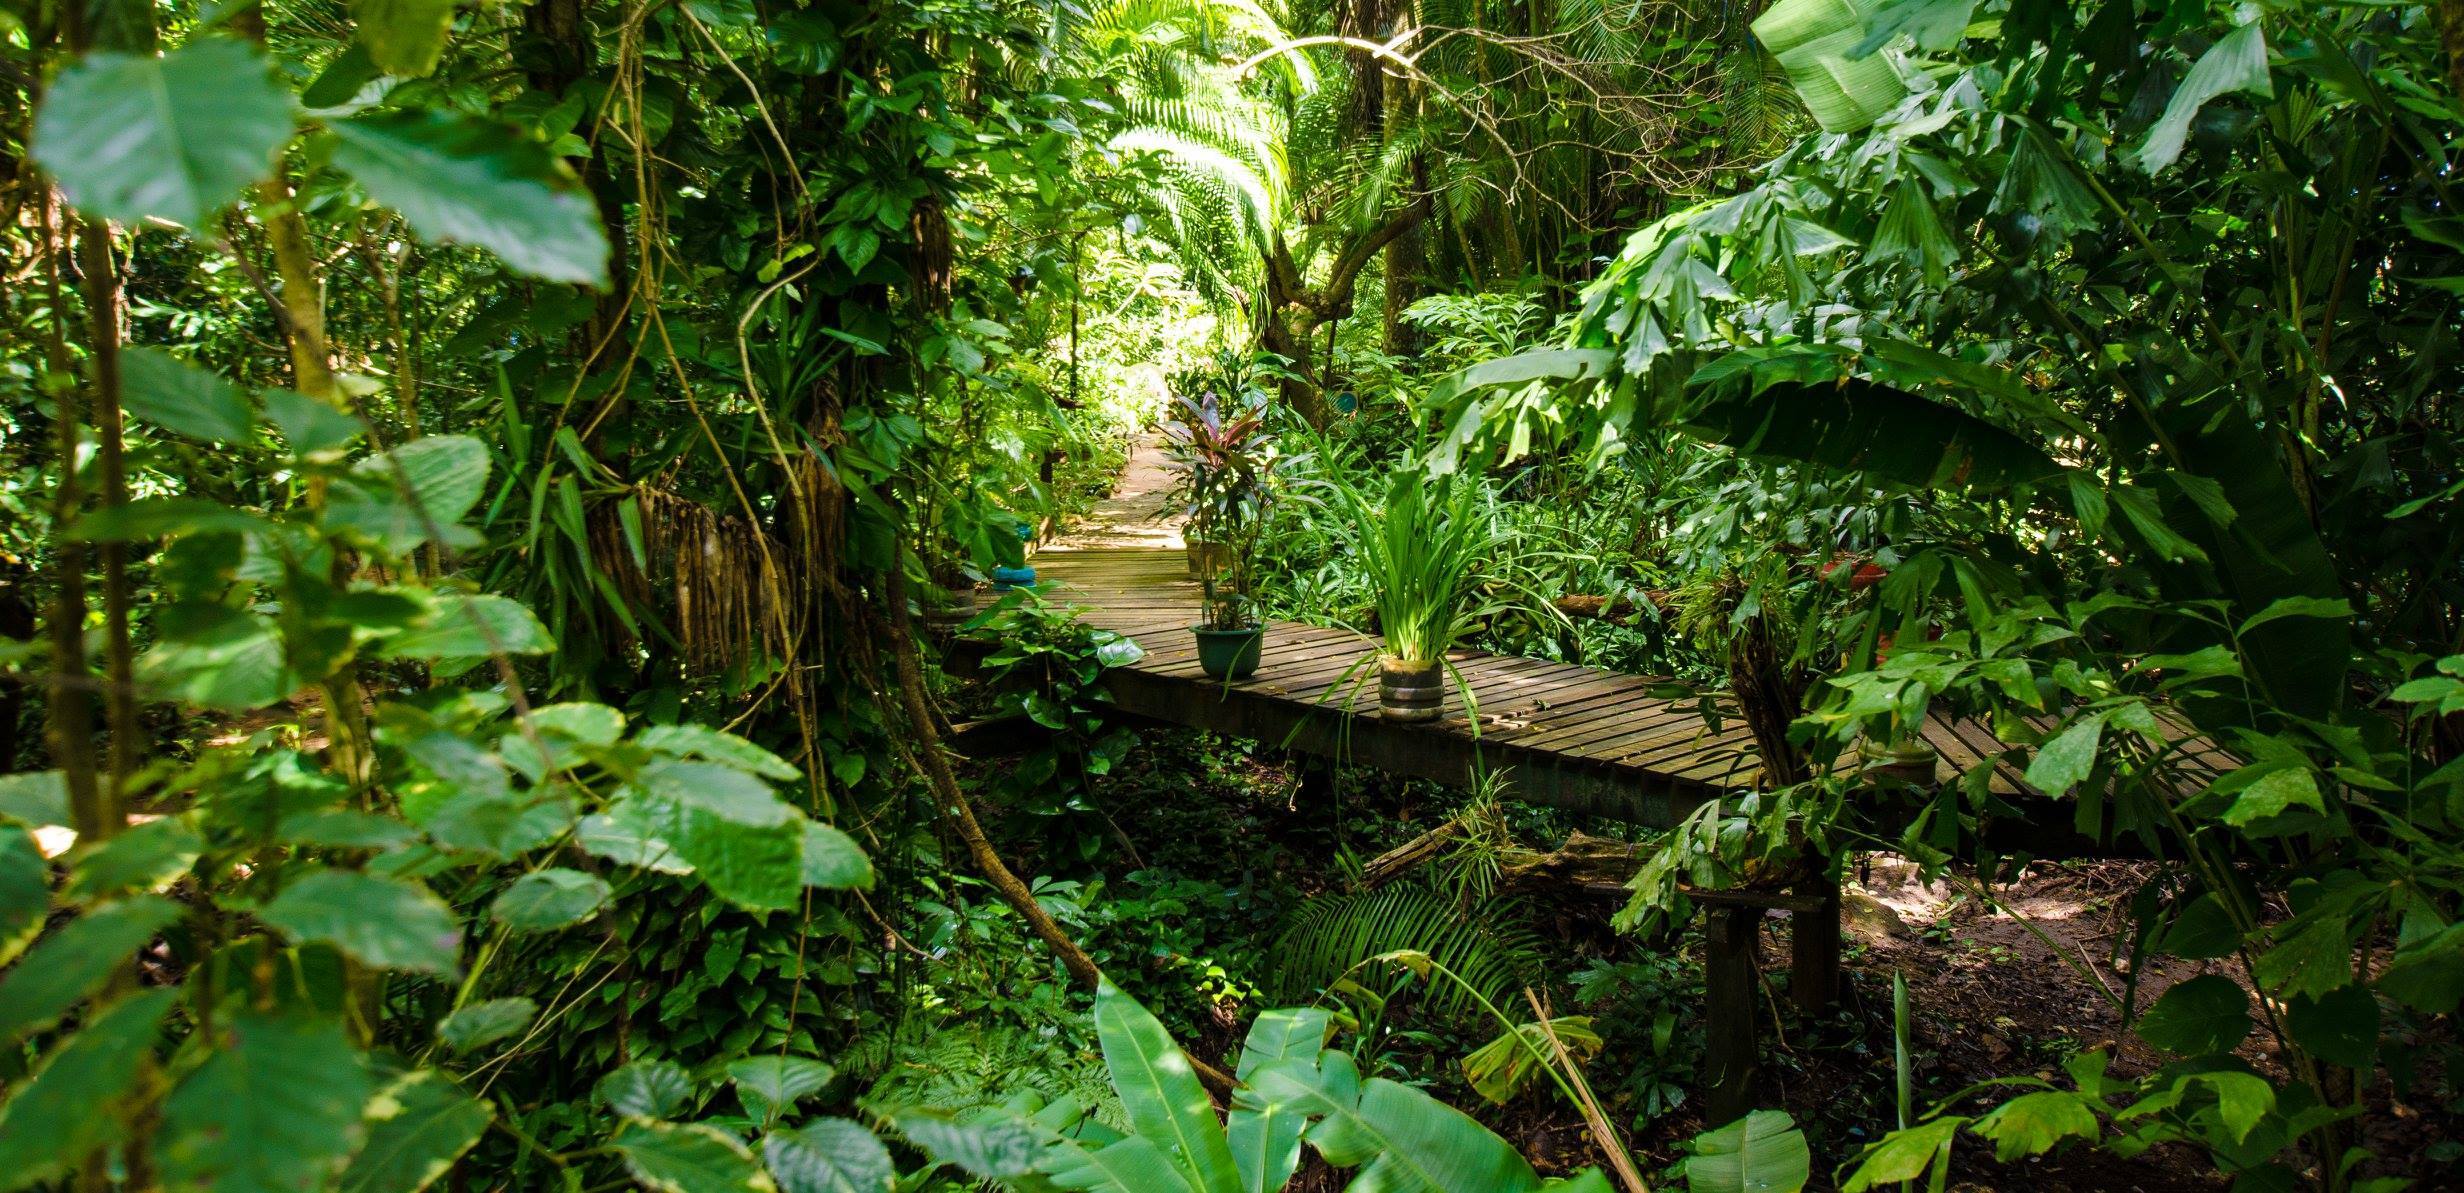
{"points": [[1410, 691]]}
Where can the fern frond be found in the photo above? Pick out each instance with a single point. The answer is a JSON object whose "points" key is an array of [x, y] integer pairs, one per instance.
{"points": [[1331, 935]]}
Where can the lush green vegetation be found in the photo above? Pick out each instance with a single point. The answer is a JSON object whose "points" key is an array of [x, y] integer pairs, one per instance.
{"points": [[496, 504]]}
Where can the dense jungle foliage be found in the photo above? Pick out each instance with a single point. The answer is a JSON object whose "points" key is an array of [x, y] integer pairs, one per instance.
{"points": [[520, 666]]}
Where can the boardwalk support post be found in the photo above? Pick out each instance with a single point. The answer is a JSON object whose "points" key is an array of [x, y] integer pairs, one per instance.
{"points": [[1728, 989], [1814, 942]]}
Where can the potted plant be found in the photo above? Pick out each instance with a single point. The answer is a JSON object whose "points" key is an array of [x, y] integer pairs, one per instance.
{"points": [[1420, 544], [1230, 471]]}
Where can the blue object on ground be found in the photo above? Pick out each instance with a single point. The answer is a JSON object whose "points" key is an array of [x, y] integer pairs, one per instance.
{"points": [[1006, 579]]}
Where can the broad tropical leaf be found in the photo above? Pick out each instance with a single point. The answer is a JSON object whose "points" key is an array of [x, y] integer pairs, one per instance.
{"points": [[135, 138], [417, 1128], [458, 180], [1160, 1093]]}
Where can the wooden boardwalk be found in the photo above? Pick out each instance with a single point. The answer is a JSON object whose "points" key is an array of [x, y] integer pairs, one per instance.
{"points": [[1588, 740], [1569, 736]]}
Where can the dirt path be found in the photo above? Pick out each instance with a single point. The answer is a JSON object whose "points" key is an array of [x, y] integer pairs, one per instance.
{"points": [[1137, 514]]}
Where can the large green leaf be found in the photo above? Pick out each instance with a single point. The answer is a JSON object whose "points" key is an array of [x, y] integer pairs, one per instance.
{"points": [[485, 1022], [770, 1086], [215, 656], [472, 626], [173, 394], [2031, 1124], [756, 867], [834, 861], [405, 37], [1817, 43], [278, 1105], [25, 890], [417, 1128], [457, 180], [2237, 62], [545, 900], [50, 1123], [1763, 1152], [1265, 1140], [1399, 1137], [1860, 426], [1160, 1094], [385, 922], [420, 490], [689, 1158], [2200, 1017], [1132, 1164], [828, 1155], [75, 961], [645, 1089], [134, 138]]}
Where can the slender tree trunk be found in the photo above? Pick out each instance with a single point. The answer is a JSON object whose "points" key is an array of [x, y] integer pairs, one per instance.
{"points": [[959, 811]]}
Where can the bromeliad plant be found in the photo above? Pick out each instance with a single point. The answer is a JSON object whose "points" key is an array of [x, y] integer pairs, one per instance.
{"points": [[1437, 557]]}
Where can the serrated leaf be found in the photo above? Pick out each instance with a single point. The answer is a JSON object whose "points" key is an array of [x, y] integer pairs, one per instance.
{"points": [[145, 857], [2064, 762], [417, 1127], [645, 1089], [2030, 1124], [691, 1158], [177, 396], [2273, 794], [991, 1148], [412, 493], [2206, 1015], [701, 741], [458, 180], [626, 835], [770, 1086], [828, 1155], [216, 657], [483, 1023], [756, 867], [722, 791], [311, 427], [133, 138], [385, 922], [545, 900], [472, 626], [74, 962], [2340, 1026], [405, 37], [833, 860], [278, 1105], [49, 1124]]}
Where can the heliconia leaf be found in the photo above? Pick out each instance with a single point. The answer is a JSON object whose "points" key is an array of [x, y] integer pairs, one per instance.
{"points": [[177, 396], [277, 1105], [405, 37], [49, 1124], [1160, 1094], [1817, 43], [458, 180], [133, 138], [1761, 1153], [389, 923], [417, 1128]]}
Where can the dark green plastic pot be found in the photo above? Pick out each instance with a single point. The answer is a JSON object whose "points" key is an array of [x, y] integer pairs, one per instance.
{"points": [[1229, 654]]}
